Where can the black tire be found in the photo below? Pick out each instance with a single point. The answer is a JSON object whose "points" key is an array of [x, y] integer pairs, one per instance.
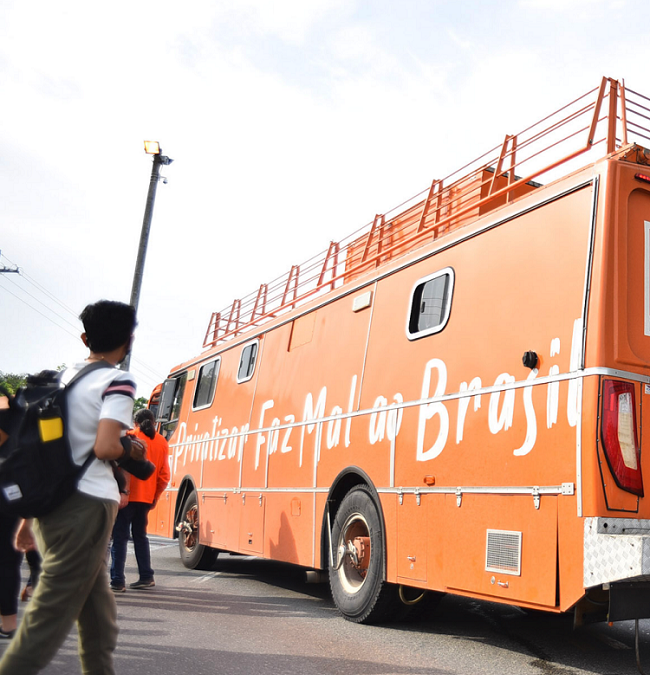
{"points": [[194, 556], [359, 589]]}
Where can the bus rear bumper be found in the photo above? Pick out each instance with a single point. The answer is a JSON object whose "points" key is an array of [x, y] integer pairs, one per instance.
{"points": [[617, 560], [616, 549]]}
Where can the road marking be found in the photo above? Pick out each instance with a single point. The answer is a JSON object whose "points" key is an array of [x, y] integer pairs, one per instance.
{"points": [[205, 577]]}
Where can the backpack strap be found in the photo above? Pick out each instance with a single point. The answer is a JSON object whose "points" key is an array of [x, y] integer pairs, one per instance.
{"points": [[86, 370]]}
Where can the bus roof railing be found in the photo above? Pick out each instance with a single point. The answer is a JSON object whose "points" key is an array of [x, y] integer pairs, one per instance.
{"points": [[598, 123]]}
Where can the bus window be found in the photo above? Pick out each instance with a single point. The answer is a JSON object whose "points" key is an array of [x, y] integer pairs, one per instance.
{"points": [[430, 304], [247, 362], [207, 383], [154, 400], [170, 404]]}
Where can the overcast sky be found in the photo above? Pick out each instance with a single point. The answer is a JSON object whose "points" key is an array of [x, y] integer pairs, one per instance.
{"points": [[291, 123]]}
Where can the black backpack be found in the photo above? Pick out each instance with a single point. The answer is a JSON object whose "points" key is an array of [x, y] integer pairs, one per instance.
{"points": [[37, 472]]}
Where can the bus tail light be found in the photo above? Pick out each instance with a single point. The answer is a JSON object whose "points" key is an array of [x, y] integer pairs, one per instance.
{"points": [[619, 435]]}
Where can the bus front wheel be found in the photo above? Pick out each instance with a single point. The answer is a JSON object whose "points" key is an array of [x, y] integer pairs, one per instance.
{"points": [[194, 556], [357, 577]]}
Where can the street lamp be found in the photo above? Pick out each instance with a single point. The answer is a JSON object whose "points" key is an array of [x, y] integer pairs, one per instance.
{"points": [[151, 148]]}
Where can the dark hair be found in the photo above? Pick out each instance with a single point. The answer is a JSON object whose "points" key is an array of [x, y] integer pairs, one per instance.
{"points": [[146, 421], [108, 325]]}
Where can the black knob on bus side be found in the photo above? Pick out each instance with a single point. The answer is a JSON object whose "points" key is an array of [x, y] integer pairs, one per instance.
{"points": [[530, 360]]}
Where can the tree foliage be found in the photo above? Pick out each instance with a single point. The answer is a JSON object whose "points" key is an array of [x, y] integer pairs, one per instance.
{"points": [[139, 404], [12, 381]]}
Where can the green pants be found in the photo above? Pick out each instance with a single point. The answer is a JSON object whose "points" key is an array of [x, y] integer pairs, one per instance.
{"points": [[73, 586]]}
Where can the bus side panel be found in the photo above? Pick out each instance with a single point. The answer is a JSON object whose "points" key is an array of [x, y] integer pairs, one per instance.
{"points": [[517, 438], [233, 405], [309, 376], [161, 516], [493, 322], [289, 527], [198, 445], [221, 466], [484, 554], [219, 519], [570, 552], [220, 470]]}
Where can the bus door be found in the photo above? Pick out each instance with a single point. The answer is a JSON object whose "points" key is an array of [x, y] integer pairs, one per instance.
{"points": [[253, 456]]}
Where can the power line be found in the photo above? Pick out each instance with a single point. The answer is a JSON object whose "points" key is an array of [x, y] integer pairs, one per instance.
{"points": [[31, 295], [74, 335], [8, 270], [41, 288], [144, 378], [143, 382], [153, 372], [153, 376]]}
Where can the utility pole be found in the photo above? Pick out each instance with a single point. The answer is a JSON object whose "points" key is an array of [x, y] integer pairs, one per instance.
{"points": [[9, 270], [151, 148]]}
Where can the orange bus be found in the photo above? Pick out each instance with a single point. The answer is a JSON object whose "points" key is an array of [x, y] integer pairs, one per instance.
{"points": [[449, 400]]}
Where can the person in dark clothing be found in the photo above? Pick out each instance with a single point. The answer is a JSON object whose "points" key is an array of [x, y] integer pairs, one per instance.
{"points": [[10, 561], [10, 558]]}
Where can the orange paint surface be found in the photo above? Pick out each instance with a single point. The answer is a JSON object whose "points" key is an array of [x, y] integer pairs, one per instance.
{"points": [[484, 469]]}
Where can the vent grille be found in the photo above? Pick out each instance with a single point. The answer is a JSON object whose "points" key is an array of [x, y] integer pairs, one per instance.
{"points": [[503, 552]]}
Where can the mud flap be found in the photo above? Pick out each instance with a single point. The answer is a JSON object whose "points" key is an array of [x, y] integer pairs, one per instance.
{"points": [[629, 600]]}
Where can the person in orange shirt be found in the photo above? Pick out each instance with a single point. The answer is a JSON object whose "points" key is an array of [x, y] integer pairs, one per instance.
{"points": [[143, 495]]}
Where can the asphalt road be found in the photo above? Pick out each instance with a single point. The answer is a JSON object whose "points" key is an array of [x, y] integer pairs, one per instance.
{"points": [[250, 616]]}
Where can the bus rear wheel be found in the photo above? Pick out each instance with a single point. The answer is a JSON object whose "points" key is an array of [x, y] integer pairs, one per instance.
{"points": [[194, 556], [357, 579]]}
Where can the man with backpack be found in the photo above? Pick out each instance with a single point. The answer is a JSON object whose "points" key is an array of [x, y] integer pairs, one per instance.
{"points": [[73, 538]]}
